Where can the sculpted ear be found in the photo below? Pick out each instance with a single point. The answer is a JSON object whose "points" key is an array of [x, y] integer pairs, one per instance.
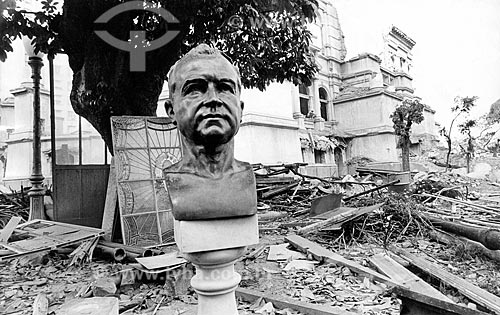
{"points": [[169, 108]]}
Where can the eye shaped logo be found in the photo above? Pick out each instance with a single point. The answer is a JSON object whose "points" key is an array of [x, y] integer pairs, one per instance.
{"points": [[137, 44]]}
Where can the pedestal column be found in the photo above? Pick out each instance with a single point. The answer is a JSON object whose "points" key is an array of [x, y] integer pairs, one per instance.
{"points": [[215, 280]]}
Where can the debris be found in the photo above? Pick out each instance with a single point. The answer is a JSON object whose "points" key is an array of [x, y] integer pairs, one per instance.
{"points": [[83, 253], [90, 306], [279, 190], [104, 287], [400, 274], [283, 302], [482, 208], [371, 190], [117, 254], [13, 204], [418, 303], [326, 203], [6, 232], [40, 235], [138, 250], [490, 238], [465, 244], [41, 305], [161, 261], [266, 309], [476, 294], [300, 264], [322, 254], [256, 252], [339, 216], [280, 252]]}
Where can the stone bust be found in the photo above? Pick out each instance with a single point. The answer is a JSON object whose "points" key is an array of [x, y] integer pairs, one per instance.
{"points": [[204, 102]]}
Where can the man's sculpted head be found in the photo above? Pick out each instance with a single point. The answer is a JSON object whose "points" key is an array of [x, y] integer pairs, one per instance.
{"points": [[205, 97]]}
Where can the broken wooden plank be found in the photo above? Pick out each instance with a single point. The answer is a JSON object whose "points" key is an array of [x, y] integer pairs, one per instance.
{"points": [[322, 254], [110, 205], [6, 232], [484, 209], [279, 190], [400, 274], [478, 295], [325, 203], [414, 303], [332, 213], [58, 235], [161, 261], [341, 217], [283, 302]]}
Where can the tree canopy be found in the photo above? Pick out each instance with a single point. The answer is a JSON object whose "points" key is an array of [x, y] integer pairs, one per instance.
{"points": [[409, 112], [267, 39]]}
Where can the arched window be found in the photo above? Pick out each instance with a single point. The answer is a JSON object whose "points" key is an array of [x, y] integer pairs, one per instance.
{"points": [[323, 102], [304, 99]]}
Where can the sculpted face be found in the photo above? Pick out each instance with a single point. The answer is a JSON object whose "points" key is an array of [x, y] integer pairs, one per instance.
{"points": [[206, 100]]}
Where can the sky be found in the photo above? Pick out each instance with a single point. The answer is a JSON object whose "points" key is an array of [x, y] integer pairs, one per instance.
{"points": [[457, 50]]}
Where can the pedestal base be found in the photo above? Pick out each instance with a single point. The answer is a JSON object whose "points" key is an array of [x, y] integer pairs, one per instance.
{"points": [[215, 280]]}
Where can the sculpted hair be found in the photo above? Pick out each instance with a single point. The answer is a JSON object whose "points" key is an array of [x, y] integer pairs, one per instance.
{"points": [[201, 51]]}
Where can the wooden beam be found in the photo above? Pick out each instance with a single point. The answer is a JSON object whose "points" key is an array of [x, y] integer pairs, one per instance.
{"points": [[283, 302], [108, 217], [478, 295], [344, 214], [6, 232], [324, 255], [415, 303], [400, 274]]}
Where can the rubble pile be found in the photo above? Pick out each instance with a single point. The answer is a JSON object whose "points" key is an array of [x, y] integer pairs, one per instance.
{"points": [[13, 204], [327, 245]]}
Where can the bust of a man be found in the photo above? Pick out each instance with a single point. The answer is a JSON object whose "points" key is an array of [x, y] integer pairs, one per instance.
{"points": [[205, 103]]}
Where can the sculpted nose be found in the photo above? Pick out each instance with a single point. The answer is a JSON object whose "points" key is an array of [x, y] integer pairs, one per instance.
{"points": [[212, 97]]}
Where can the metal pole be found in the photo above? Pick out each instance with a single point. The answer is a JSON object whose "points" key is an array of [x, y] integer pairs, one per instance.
{"points": [[37, 190]]}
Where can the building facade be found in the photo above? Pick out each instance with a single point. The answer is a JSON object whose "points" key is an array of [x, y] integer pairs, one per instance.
{"points": [[343, 114]]}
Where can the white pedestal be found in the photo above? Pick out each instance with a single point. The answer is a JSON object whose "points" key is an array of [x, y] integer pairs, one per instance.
{"points": [[213, 246]]}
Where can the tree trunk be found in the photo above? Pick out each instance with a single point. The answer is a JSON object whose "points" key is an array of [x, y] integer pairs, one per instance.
{"points": [[103, 85], [467, 158], [405, 153], [448, 141]]}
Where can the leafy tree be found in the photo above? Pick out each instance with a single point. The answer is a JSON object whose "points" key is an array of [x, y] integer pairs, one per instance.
{"points": [[269, 42], [462, 105], [466, 129], [409, 112]]}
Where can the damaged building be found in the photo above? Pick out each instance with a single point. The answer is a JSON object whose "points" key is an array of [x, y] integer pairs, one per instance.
{"points": [[345, 113]]}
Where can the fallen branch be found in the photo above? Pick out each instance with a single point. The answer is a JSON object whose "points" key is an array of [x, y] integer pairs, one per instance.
{"points": [[371, 190], [465, 244], [490, 238]]}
